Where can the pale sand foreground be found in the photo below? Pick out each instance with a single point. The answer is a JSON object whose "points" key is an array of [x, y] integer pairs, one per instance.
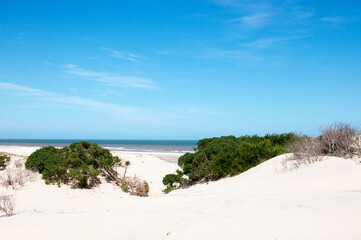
{"points": [[319, 201]]}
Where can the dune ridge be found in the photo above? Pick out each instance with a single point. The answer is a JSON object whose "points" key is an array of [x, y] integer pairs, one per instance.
{"points": [[318, 201]]}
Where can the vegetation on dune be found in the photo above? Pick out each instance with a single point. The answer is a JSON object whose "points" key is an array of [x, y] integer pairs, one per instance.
{"points": [[173, 181], [220, 157], [7, 205], [80, 164], [3, 161], [338, 139]]}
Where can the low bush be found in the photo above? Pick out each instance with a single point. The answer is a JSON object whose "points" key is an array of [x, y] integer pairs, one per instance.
{"points": [[7, 205], [3, 161], [173, 181], [14, 178], [306, 148], [79, 164], [216, 158], [135, 186], [220, 157], [340, 139]]}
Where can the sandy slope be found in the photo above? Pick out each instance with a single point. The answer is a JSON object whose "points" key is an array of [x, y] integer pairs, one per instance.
{"points": [[320, 201]]}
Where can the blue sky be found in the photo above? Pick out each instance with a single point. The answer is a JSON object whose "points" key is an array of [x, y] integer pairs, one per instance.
{"points": [[177, 69]]}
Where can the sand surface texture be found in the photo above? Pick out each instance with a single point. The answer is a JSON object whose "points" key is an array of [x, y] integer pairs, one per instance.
{"points": [[318, 201]]}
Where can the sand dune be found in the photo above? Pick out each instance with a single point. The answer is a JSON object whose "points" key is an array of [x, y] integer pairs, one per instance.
{"points": [[319, 201]]}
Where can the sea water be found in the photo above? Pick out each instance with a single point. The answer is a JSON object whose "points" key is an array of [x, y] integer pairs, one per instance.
{"points": [[178, 146]]}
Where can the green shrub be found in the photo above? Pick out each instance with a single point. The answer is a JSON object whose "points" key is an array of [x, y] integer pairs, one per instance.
{"points": [[79, 164], [3, 161], [38, 159], [171, 179], [216, 158], [168, 189]]}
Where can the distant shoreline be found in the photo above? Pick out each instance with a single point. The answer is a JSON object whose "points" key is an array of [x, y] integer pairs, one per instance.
{"points": [[167, 146]]}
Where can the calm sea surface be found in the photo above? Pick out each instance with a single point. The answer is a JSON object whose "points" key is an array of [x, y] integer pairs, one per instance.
{"points": [[180, 146]]}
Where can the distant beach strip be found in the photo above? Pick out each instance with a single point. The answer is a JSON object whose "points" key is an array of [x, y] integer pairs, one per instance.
{"points": [[173, 146]]}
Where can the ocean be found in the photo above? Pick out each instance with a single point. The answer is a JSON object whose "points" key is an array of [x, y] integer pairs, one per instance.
{"points": [[178, 146]]}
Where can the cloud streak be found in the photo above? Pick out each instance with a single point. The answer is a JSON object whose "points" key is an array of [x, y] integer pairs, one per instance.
{"points": [[123, 55], [21, 89], [111, 111], [110, 79], [254, 20], [255, 15], [267, 42], [132, 114]]}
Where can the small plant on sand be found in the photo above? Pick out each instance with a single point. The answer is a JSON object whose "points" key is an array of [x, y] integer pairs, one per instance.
{"points": [[135, 186], [7, 205], [3, 161], [173, 181], [15, 178]]}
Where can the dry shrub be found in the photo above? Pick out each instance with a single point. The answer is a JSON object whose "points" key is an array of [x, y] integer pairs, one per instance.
{"points": [[15, 178], [341, 139], [135, 186], [19, 164], [305, 150], [7, 205]]}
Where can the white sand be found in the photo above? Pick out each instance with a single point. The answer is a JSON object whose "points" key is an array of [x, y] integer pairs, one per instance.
{"points": [[319, 201]]}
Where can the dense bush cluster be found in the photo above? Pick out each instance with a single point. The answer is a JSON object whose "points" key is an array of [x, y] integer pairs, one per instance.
{"points": [[216, 158], [79, 164], [3, 161]]}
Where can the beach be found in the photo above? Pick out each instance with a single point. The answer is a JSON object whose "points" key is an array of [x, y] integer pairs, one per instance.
{"points": [[319, 201]]}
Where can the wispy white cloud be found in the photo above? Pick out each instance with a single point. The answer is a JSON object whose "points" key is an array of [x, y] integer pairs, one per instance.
{"points": [[253, 21], [113, 111], [123, 112], [110, 79], [124, 55], [21, 89], [268, 42], [258, 14]]}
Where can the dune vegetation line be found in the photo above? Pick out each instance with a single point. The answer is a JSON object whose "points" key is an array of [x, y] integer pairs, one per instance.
{"points": [[85, 165], [221, 157]]}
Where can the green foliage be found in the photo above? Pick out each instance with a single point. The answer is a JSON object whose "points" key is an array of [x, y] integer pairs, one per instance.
{"points": [[124, 185], [37, 160], [216, 158], [3, 160], [168, 189], [170, 179], [79, 164]]}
